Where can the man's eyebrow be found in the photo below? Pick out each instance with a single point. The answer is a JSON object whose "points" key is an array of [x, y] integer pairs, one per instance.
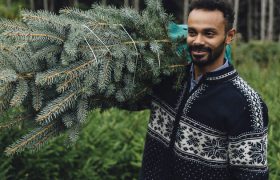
{"points": [[210, 29], [191, 29], [206, 29]]}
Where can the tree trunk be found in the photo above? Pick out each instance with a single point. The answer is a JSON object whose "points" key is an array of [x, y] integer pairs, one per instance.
{"points": [[270, 21], [9, 3], [104, 2], [52, 5], [249, 20], [263, 19], [32, 4], [126, 3], [186, 11], [236, 10], [76, 3], [46, 5], [137, 5], [256, 20]]}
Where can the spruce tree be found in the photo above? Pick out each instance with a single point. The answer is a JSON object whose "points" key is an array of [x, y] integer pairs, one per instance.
{"points": [[59, 67]]}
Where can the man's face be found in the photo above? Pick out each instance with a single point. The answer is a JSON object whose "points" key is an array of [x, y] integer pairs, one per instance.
{"points": [[206, 36]]}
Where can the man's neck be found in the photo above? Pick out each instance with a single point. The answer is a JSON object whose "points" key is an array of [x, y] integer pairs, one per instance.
{"points": [[198, 70]]}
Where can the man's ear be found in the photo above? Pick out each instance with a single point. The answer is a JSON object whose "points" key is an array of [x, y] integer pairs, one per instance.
{"points": [[230, 35]]}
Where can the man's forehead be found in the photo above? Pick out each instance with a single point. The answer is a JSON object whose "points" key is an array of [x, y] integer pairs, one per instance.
{"points": [[200, 18], [212, 13]]}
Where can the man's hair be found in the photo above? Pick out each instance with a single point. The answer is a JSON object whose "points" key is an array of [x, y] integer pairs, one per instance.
{"points": [[221, 5]]}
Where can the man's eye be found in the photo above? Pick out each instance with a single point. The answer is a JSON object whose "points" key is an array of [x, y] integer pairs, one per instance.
{"points": [[191, 33], [209, 34]]}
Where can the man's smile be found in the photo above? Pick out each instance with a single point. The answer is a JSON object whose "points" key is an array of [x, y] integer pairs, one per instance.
{"points": [[199, 55]]}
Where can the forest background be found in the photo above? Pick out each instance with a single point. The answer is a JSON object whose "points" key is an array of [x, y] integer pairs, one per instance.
{"points": [[111, 144]]}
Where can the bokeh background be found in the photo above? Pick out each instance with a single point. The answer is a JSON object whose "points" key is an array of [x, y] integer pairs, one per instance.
{"points": [[110, 145]]}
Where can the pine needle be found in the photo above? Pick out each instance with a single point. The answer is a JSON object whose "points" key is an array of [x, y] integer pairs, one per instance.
{"points": [[36, 134], [33, 35], [59, 105]]}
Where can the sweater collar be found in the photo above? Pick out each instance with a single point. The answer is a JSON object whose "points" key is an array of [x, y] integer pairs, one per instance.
{"points": [[224, 74], [221, 75], [225, 65]]}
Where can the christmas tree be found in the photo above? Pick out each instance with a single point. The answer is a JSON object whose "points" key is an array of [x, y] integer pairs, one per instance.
{"points": [[59, 67]]}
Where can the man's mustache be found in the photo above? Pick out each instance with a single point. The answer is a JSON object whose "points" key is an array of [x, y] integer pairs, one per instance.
{"points": [[200, 48]]}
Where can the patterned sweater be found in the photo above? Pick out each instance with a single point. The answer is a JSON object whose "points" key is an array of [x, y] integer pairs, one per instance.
{"points": [[217, 131]]}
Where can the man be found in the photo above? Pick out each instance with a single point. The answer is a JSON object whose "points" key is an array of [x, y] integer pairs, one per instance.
{"points": [[216, 128]]}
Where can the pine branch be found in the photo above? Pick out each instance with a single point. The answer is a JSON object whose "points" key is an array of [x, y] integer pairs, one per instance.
{"points": [[56, 107], [81, 60], [5, 88], [65, 85], [32, 138], [141, 92], [20, 93], [5, 47], [11, 25], [34, 36], [49, 50], [37, 100], [6, 94], [82, 111], [175, 66], [131, 43], [7, 76], [43, 140], [56, 75], [12, 123], [105, 75], [40, 16], [77, 14], [12, 56], [68, 119]]}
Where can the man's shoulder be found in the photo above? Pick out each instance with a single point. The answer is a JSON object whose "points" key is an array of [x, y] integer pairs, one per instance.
{"points": [[243, 89], [251, 101], [238, 94], [247, 111]]}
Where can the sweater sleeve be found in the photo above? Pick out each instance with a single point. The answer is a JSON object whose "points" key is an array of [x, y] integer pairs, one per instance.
{"points": [[248, 140]]}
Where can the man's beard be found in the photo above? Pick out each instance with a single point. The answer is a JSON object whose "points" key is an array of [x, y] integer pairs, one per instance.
{"points": [[212, 54]]}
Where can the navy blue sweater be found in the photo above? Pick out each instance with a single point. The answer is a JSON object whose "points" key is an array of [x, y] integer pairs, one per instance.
{"points": [[216, 131]]}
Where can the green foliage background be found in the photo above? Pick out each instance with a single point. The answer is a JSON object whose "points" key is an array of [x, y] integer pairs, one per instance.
{"points": [[11, 12], [109, 147], [111, 144]]}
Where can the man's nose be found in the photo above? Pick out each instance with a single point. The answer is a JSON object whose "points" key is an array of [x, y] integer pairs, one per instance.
{"points": [[198, 40]]}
